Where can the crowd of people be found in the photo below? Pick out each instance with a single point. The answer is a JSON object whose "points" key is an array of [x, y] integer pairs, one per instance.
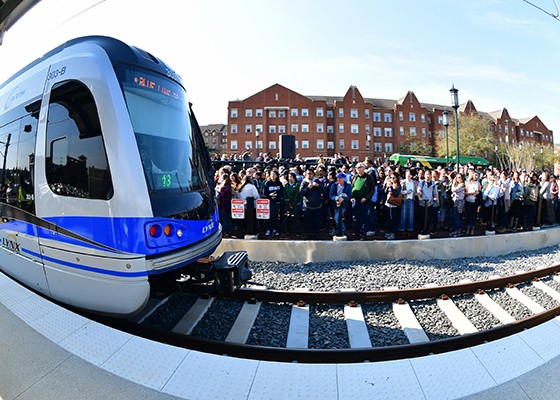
{"points": [[371, 199]]}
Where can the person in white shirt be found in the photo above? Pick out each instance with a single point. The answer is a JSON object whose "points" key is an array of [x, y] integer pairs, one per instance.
{"points": [[406, 223]]}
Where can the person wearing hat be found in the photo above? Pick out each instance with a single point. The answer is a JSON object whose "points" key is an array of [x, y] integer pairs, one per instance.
{"points": [[340, 194]]}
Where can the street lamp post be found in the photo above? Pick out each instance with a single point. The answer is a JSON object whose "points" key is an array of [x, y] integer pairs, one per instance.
{"points": [[455, 104], [445, 121], [369, 146]]}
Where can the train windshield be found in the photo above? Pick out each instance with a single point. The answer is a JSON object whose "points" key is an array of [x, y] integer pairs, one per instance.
{"points": [[159, 112]]}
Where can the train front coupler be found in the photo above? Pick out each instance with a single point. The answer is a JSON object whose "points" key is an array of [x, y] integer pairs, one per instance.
{"points": [[228, 272]]}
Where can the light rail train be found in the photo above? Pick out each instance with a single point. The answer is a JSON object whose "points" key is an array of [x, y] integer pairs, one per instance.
{"points": [[106, 184]]}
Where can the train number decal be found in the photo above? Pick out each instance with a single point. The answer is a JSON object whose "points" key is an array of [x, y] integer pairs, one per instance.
{"points": [[56, 73]]}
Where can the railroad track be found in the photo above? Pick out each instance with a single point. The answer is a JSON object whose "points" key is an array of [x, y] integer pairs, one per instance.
{"points": [[433, 319]]}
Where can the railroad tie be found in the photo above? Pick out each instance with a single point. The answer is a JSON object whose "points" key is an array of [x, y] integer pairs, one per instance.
{"points": [[547, 289], [193, 316], [298, 333], [409, 324], [241, 328], [494, 308], [525, 300], [358, 334]]}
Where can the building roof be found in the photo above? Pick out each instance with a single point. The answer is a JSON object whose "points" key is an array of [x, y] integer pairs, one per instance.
{"points": [[213, 127]]}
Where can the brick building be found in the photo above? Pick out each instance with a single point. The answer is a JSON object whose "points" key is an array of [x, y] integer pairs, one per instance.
{"points": [[354, 125], [215, 137]]}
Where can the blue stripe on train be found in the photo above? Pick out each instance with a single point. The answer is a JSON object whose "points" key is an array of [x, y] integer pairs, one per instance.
{"points": [[86, 268]]}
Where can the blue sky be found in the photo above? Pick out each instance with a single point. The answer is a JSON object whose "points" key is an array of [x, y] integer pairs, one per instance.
{"points": [[498, 53]]}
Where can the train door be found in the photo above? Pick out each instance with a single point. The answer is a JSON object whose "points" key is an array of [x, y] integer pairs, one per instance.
{"points": [[19, 242]]}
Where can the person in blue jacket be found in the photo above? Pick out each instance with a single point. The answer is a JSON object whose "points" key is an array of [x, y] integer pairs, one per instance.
{"points": [[340, 194]]}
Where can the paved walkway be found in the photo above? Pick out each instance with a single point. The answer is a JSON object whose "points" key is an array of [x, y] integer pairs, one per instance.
{"points": [[47, 352]]}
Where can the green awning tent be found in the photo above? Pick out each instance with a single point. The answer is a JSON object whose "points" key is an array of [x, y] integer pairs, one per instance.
{"points": [[477, 161], [426, 161]]}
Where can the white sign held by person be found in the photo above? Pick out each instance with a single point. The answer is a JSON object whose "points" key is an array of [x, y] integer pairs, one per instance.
{"points": [[263, 209], [237, 208]]}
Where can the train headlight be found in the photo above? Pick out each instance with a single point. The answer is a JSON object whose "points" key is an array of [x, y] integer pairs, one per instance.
{"points": [[179, 233]]}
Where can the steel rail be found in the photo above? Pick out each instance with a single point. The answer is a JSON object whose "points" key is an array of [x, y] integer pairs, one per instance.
{"points": [[385, 353], [337, 356], [386, 296]]}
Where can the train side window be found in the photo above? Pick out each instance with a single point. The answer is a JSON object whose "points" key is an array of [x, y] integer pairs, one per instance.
{"points": [[76, 159], [17, 162]]}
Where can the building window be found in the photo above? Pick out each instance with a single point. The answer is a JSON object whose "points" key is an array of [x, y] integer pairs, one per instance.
{"points": [[258, 144], [330, 145], [355, 144], [429, 133], [368, 131], [401, 130], [294, 128], [320, 128], [233, 128], [271, 113], [248, 145], [305, 128], [282, 114], [281, 128], [412, 117], [305, 144], [354, 128], [401, 116], [412, 131], [388, 132], [319, 112], [376, 117], [248, 128], [423, 118], [259, 112], [330, 114], [248, 112], [388, 117], [297, 144], [440, 119], [271, 128], [330, 129], [259, 128], [388, 147], [272, 145], [522, 132], [341, 144], [353, 113], [423, 132], [377, 147], [377, 131], [340, 128], [233, 113], [294, 112], [305, 112], [320, 144], [341, 112], [233, 144]]}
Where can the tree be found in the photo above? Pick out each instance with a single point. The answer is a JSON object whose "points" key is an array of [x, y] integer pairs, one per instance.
{"points": [[475, 138], [415, 145]]}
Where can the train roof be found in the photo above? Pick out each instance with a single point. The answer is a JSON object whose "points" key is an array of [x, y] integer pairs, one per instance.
{"points": [[116, 50]]}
